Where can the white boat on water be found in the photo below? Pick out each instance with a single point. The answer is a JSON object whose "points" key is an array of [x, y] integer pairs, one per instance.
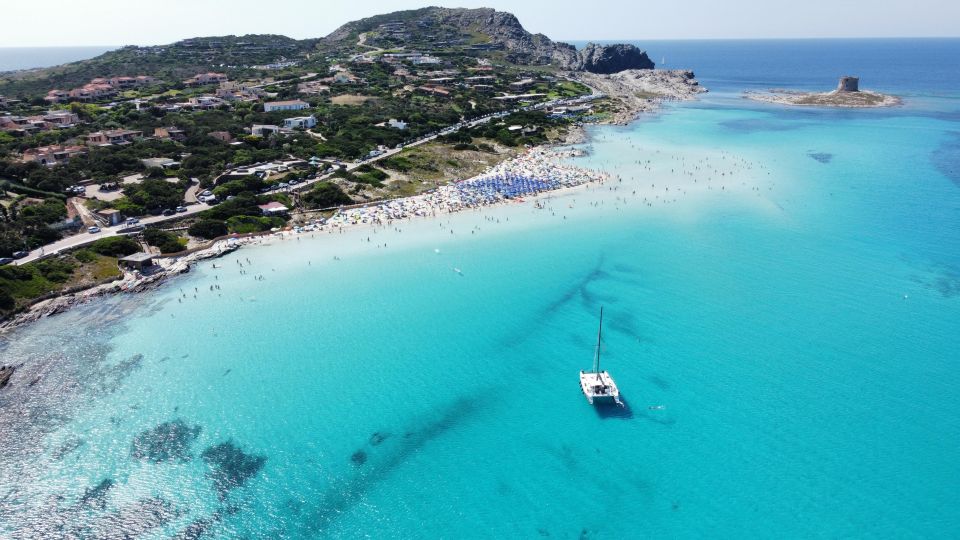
{"points": [[598, 386]]}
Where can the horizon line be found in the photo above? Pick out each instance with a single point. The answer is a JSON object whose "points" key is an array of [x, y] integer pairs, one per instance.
{"points": [[595, 40]]}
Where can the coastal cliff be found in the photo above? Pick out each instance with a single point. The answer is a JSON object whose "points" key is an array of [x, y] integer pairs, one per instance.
{"points": [[607, 59]]}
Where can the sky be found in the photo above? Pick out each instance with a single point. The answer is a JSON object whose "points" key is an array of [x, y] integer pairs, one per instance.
{"points": [[138, 22]]}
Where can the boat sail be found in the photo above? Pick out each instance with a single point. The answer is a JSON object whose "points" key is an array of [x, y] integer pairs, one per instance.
{"points": [[598, 386]]}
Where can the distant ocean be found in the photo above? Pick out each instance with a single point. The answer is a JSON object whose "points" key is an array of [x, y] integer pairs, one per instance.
{"points": [[781, 293], [13, 58]]}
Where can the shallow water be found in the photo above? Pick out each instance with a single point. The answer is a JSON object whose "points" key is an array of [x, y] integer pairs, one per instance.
{"points": [[783, 328]]}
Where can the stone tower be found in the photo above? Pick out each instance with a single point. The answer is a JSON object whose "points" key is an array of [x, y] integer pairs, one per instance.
{"points": [[849, 84]]}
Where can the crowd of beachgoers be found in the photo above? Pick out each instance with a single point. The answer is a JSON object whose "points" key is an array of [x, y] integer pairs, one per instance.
{"points": [[536, 171]]}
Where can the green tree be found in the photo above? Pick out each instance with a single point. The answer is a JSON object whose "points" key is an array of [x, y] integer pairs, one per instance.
{"points": [[165, 241], [115, 246], [325, 195], [208, 228]]}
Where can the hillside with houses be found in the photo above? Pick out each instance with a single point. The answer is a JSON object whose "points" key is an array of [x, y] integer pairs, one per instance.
{"points": [[197, 136]]}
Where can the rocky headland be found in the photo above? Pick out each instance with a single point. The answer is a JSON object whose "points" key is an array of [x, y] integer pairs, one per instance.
{"points": [[846, 95], [636, 91]]}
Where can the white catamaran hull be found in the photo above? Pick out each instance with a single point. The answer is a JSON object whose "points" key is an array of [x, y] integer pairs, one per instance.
{"points": [[599, 389]]}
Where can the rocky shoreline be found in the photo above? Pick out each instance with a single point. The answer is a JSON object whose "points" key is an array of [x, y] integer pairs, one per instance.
{"points": [[636, 91], [131, 282]]}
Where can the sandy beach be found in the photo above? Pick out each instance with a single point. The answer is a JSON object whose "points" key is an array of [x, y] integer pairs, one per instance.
{"points": [[537, 171]]}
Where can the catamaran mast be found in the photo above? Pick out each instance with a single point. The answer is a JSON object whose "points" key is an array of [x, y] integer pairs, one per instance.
{"points": [[596, 367]]}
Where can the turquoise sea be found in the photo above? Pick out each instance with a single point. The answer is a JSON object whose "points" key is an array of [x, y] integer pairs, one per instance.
{"points": [[780, 289]]}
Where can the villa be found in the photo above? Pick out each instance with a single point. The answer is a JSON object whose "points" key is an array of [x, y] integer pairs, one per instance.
{"points": [[292, 105], [172, 133], [202, 79], [99, 88], [52, 155], [434, 90], [113, 137], [30, 124], [204, 102], [231, 91], [159, 163], [266, 130], [425, 60], [303, 122], [312, 87]]}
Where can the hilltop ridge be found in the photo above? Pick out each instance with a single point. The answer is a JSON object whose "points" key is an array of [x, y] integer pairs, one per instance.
{"points": [[485, 29], [476, 32]]}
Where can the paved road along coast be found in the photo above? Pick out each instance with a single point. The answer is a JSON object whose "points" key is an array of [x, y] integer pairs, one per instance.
{"points": [[83, 239]]}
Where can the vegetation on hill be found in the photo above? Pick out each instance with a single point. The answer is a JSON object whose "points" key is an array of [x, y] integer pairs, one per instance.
{"points": [[476, 58]]}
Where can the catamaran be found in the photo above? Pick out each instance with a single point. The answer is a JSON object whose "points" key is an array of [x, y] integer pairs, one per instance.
{"points": [[598, 386]]}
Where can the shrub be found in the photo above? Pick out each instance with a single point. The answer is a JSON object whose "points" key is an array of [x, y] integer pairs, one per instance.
{"points": [[208, 228], [325, 195], [55, 270], [7, 301], [166, 241], [115, 246], [397, 163], [250, 224], [85, 256]]}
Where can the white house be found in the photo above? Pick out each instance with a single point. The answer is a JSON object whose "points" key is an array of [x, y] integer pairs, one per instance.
{"points": [[425, 60], [292, 105], [397, 124], [305, 122], [264, 130]]}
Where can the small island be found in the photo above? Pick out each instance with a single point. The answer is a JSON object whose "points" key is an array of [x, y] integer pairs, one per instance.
{"points": [[847, 95]]}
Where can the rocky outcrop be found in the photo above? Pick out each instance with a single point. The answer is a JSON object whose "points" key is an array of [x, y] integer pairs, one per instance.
{"points": [[606, 59], [504, 31], [635, 91], [5, 373]]}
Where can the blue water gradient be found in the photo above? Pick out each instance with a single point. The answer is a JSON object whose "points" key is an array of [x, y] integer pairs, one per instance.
{"points": [[781, 293]]}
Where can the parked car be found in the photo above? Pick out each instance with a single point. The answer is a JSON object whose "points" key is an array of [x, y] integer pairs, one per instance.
{"points": [[5, 260], [207, 193], [20, 254], [93, 230], [168, 212], [132, 221], [181, 209]]}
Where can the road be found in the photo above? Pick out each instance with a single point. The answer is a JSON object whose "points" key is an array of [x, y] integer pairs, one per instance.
{"points": [[84, 238], [456, 127]]}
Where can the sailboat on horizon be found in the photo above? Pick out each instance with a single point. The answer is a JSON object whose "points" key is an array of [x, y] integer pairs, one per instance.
{"points": [[598, 386]]}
